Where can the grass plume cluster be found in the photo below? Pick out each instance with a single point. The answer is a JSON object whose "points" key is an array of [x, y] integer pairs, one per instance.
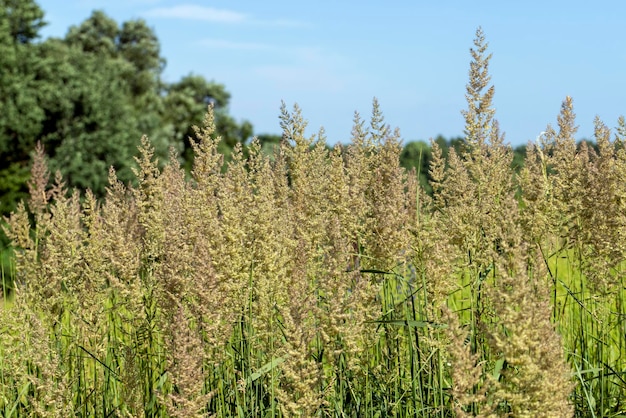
{"points": [[326, 282]]}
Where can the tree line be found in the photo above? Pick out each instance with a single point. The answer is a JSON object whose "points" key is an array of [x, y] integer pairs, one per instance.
{"points": [[89, 97]]}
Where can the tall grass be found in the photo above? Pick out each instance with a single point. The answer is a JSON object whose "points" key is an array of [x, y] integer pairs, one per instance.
{"points": [[317, 282]]}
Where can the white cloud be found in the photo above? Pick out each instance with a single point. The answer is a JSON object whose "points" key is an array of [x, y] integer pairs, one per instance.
{"points": [[211, 14], [233, 45], [193, 12], [304, 68]]}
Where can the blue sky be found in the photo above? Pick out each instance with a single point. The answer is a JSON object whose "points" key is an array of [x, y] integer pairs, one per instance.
{"points": [[333, 57]]}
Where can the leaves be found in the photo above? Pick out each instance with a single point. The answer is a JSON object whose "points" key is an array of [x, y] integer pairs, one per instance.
{"points": [[90, 97]]}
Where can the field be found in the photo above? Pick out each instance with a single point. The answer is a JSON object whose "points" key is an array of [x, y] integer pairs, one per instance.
{"points": [[326, 282]]}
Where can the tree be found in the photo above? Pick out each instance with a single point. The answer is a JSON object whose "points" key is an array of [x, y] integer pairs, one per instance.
{"points": [[21, 19], [418, 154], [90, 122], [20, 115], [269, 143], [185, 104], [519, 156], [89, 98], [139, 45], [97, 35], [136, 45]]}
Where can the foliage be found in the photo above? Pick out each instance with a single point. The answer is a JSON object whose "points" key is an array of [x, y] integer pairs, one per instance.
{"points": [[187, 100], [89, 97], [20, 116]]}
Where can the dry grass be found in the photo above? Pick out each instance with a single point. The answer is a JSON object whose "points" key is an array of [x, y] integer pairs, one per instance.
{"points": [[318, 282]]}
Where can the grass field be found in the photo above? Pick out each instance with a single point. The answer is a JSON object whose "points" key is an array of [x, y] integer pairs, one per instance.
{"points": [[317, 282]]}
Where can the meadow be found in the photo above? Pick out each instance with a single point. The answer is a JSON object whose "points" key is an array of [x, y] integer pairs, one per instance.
{"points": [[326, 282]]}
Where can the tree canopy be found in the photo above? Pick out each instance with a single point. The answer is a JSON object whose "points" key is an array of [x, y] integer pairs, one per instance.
{"points": [[90, 96]]}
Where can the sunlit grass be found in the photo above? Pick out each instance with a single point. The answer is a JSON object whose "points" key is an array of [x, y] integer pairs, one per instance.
{"points": [[318, 282]]}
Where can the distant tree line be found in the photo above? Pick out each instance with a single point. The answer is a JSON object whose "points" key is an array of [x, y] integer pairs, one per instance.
{"points": [[418, 155]]}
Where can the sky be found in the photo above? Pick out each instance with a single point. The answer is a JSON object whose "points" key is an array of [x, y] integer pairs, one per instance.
{"points": [[332, 57]]}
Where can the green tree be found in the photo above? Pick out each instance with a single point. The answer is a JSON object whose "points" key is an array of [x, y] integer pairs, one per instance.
{"points": [[21, 117], [97, 35], [22, 18], [184, 106], [418, 154], [139, 45], [90, 123], [269, 142], [136, 45], [519, 156], [90, 96]]}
